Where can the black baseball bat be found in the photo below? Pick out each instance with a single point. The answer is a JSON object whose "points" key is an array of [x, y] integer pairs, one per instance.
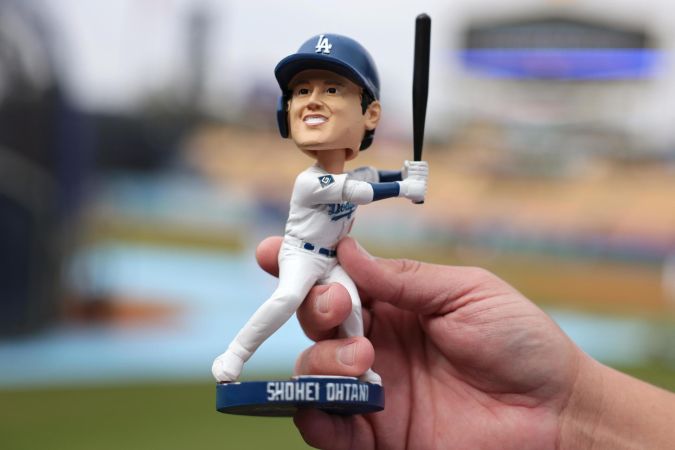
{"points": [[420, 82]]}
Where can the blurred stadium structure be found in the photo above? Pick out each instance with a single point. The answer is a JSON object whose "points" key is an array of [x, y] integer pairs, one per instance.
{"points": [[43, 158], [137, 143], [561, 82]]}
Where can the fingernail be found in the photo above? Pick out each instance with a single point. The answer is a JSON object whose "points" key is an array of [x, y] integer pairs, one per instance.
{"points": [[323, 301], [347, 354]]}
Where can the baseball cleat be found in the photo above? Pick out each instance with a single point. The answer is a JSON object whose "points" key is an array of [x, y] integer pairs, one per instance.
{"points": [[371, 377], [227, 367]]}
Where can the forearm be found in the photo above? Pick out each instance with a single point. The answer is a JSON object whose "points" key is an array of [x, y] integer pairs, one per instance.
{"points": [[371, 185], [611, 410], [361, 192], [387, 176]]}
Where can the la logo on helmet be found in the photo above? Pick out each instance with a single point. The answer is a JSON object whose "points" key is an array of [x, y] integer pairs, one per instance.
{"points": [[322, 45]]}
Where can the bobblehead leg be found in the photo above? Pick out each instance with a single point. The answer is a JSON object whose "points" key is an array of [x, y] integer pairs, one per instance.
{"points": [[298, 272], [353, 326]]}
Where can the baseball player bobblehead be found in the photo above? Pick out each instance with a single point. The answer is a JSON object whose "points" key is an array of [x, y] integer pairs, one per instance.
{"points": [[330, 107]]}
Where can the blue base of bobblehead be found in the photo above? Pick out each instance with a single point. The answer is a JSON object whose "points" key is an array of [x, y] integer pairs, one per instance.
{"points": [[331, 394]]}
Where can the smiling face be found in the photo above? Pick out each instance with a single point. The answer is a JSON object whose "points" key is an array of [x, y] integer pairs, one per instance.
{"points": [[325, 113]]}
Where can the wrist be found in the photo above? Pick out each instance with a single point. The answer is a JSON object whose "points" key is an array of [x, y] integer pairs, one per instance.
{"points": [[385, 190], [582, 413], [402, 188], [610, 410]]}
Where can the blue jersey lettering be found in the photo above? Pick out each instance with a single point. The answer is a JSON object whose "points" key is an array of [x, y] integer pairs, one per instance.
{"points": [[338, 211]]}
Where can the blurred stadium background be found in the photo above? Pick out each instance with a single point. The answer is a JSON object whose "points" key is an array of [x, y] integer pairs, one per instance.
{"points": [[140, 165]]}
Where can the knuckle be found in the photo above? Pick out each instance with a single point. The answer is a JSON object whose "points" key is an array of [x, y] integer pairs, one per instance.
{"points": [[409, 266], [483, 276]]}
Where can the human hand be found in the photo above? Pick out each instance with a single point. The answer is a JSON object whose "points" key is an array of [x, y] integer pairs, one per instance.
{"points": [[467, 362], [413, 188], [414, 176], [415, 169]]}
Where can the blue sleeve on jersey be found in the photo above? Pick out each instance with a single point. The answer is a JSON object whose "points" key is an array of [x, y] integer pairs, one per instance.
{"points": [[385, 190], [387, 176]]}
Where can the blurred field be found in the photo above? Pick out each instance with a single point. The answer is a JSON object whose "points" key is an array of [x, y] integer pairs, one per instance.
{"points": [[166, 416], [656, 374], [611, 287]]}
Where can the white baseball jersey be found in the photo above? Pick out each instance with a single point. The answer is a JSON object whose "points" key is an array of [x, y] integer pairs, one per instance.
{"points": [[318, 214]]}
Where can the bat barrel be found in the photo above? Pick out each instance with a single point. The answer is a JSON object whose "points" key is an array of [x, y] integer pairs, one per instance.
{"points": [[420, 81]]}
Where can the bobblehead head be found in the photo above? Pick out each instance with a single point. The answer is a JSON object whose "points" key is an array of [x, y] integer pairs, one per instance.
{"points": [[325, 113], [330, 97]]}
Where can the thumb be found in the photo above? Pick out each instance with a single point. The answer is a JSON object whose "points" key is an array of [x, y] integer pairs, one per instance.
{"points": [[415, 286]]}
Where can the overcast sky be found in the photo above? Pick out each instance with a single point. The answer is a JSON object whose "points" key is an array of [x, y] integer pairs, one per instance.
{"points": [[114, 50]]}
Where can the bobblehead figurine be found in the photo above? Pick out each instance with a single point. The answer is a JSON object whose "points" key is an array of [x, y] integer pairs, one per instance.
{"points": [[329, 107]]}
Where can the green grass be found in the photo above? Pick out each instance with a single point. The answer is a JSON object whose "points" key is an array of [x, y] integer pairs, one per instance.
{"points": [[658, 374], [157, 416], [167, 417]]}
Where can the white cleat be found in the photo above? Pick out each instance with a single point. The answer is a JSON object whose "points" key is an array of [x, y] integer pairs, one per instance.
{"points": [[227, 367], [371, 377]]}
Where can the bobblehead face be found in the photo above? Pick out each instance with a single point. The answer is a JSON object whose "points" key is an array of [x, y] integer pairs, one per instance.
{"points": [[325, 113]]}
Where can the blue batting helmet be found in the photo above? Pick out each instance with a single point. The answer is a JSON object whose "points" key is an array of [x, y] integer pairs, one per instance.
{"points": [[338, 54]]}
